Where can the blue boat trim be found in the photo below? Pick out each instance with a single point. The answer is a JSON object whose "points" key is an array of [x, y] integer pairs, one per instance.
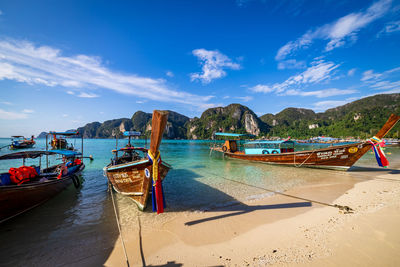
{"points": [[132, 133], [67, 153]]}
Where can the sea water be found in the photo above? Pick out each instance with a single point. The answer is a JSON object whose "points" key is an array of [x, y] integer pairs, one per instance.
{"points": [[79, 225]]}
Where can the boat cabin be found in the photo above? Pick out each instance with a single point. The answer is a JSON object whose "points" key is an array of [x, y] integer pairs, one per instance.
{"points": [[59, 140], [129, 152], [232, 144], [268, 147]]}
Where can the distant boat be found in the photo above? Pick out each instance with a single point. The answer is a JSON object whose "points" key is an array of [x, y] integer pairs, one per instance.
{"points": [[132, 173], [392, 142], [283, 152], [59, 141], [26, 187], [20, 142]]}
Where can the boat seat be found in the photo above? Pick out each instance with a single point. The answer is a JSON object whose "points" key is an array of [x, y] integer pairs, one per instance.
{"points": [[5, 179]]}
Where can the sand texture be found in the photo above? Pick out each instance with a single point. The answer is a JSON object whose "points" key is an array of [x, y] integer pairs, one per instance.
{"points": [[279, 230]]}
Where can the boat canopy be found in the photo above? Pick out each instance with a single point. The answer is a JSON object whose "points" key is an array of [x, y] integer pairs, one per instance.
{"points": [[270, 142], [17, 136], [233, 134], [26, 154], [132, 133], [67, 153], [65, 133]]}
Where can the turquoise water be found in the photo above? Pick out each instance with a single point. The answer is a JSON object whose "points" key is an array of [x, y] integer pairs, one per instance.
{"points": [[78, 226]]}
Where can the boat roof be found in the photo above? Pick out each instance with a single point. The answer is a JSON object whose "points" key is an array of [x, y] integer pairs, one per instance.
{"points": [[132, 133], [130, 148], [29, 154], [270, 142], [233, 134], [67, 153], [65, 133], [17, 136]]}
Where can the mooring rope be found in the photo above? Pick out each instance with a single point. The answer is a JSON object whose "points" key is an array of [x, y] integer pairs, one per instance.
{"points": [[347, 209], [118, 224], [294, 159]]}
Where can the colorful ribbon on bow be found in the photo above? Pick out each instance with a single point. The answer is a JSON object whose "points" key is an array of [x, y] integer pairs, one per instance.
{"points": [[157, 190], [377, 145]]}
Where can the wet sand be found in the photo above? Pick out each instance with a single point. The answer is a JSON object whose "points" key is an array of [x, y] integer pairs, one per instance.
{"points": [[279, 230]]}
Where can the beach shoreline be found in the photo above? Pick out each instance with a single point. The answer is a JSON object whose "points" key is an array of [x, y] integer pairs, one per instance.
{"points": [[279, 229]]}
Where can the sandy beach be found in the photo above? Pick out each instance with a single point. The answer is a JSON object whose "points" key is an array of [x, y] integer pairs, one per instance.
{"points": [[279, 230]]}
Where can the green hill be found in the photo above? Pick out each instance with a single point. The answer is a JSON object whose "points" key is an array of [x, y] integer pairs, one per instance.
{"points": [[361, 118]]}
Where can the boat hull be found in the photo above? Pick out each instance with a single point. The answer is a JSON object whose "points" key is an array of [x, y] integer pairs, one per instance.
{"points": [[17, 199], [134, 179], [334, 157], [22, 145]]}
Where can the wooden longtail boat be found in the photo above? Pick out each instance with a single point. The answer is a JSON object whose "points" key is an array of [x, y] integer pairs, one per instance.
{"points": [[20, 142], [24, 188], [59, 141], [131, 174], [333, 157]]}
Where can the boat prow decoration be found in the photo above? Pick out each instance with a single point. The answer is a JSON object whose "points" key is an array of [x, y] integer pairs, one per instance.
{"points": [[133, 173]]}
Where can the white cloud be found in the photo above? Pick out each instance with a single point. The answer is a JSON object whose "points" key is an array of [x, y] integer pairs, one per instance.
{"points": [[370, 75], [213, 65], [387, 80], [1, 12], [321, 93], [9, 115], [87, 95], [318, 72], [140, 102], [351, 72], [339, 32], [393, 26], [170, 74], [29, 111], [6, 103], [244, 98], [24, 62], [262, 88], [291, 64], [70, 93], [65, 115]]}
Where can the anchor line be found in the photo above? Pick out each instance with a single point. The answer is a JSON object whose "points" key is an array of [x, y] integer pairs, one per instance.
{"points": [[340, 207], [118, 224]]}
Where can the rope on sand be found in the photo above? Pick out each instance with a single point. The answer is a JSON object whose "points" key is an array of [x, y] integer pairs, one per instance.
{"points": [[346, 209], [118, 224]]}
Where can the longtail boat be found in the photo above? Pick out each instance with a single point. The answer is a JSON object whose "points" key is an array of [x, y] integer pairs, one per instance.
{"points": [[20, 142], [59, 140], [133, 173], [26, 187], [283, 152]]}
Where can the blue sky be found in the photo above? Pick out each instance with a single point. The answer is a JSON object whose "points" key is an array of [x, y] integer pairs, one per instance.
{"points": [[67, 63]]}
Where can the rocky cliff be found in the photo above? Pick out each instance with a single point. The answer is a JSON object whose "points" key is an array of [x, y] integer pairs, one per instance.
{"points": [[361, 118], [232, 118]]}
